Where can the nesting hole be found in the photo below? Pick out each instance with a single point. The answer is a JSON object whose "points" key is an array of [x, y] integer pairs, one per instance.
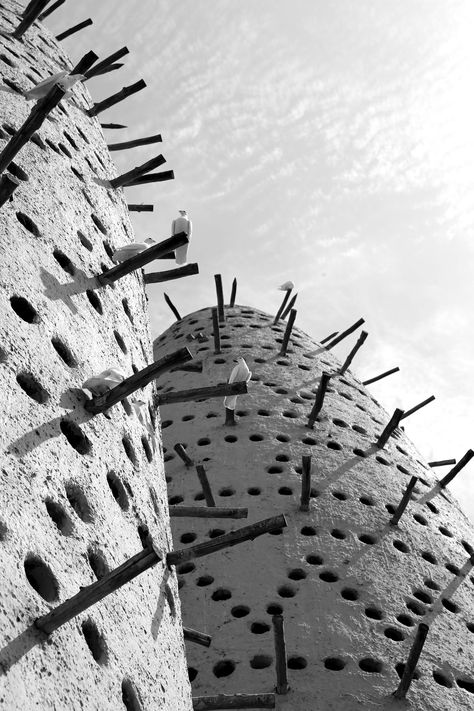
{"points": [[59, 516], [28, 224], [95, 641], [130, 696], [118, 490], [63, 352], [95, 301], [41, 578], [129, 449], [223, 668], [334, 663], [24, 309], [373, 666], [32, 388], [75, 436], [79, 503]]}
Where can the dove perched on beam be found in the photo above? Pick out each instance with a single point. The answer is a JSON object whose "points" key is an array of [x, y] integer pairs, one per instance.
{"points": [[287, 286], [239, 373], [131, 250], [63, 79], [105, 381], [182, 224]]}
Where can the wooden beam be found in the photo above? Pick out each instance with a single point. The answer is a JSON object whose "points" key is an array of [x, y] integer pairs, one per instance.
{"points": [[382, 375], [345, 333], [442, 463], [124, 93], [328, 338], [207, 512], [182, 454], [413, 657], [419, 406], [73, 30], [172, 306], [289, 306], [125, 178], [113, 125], [51, 9], [201, 393], [282, 306], [319, 400], [390, 428], [170, 274], [137, 142], [107, 70], [305, 482], [456, 469], [233, 293], [140, 208], [206, 487], [220, 297], [216, 332], [97, 69], [233, 701], [191, 635], [404, 501], [151, 178], [360, 342], [288, 330], [8, 185], [282, 686], [31, 13]]}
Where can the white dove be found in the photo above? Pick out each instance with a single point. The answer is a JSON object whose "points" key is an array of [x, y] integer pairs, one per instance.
{"points": [[131, 250], [182, 224], [63, 79], [105, 381], [287, 286], [239, 372]]}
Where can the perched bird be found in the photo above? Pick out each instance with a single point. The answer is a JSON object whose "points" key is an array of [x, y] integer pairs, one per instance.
{"points": [[287, 286], [63, 79], [131, 250], [182, 224], [105, 381], [239, 372]]}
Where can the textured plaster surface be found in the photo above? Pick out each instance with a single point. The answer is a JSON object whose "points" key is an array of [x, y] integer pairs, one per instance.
{"points": [[383, 581], [77, 512]]}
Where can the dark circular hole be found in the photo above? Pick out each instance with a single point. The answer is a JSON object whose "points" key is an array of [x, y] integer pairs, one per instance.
{"points": [[64, 262], [63, 352], [431, 584], [297, 574], [313, 559], [240, 611], [359, 452], [445, 531], [215, 532], [420, 519], [129, 450], [405, 620], [259, 627], [79, 503], [95, 641], [422, 596], [261, 661], [255, 438], [328, 576], [285, 491], [374, 613], [204, 441], [188, 537], [32, 388], [18, 172], [441, 679], [334, 663], [28, 224], [173, 500], [367, 539], [286, 591], [223, 668], [130, 697], [297, 663], [333, 445], [41, 578], [254, 491], [366, 501], [24, 309], [59, 516], [94, 301], [394, 633], [186, 568], [349, 594], [309, 441], [339, 495], [337, 533], [75, 436], [282, 438], [416, 608], [308, 531], [400, 546], [429, 557], [466, 685], [450, 605], [192, 673], [373, 666], [205, 580]]}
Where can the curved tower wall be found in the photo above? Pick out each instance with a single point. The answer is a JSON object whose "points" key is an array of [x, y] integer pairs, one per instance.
{"points": [[352, 588], [78, 492]]}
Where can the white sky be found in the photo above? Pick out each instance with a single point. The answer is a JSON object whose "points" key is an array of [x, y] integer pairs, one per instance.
{"points": [[326, 142]]}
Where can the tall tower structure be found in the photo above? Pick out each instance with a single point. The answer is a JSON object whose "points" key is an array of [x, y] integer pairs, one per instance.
{"points": [[352, 588]]}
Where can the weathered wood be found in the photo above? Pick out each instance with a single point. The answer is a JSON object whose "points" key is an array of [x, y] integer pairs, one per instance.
{"points": [[137, 142], [328, 338], [198, 637], [288, 330], [289, 306], [113, 125], [31, 13], [319, 401], [419, 406], [74, 29], [182, 454], [138, 380], [233, 701], [442, 463], [360, 342], [221, 390], [127, 91], [171, 305], [125, 178], [404, 502], [413, 657], [305, 482], [344, 334], [282, 686], [100, 66], [107, 70], [206, 487], [220, 297], [282, 306], [51, 9], [189, 368], [390, 428], [139, 260], [140, 208], [216, 332], [227, 540], [151, 178], [229, 417], [170, 274], [233, 293], [38, 114], [207, 512], [91, 594], [8, 185], [382, 375], [456, 469]]}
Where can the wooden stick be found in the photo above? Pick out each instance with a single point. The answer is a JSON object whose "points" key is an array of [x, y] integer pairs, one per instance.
{"points": [[138, 380], [382, 375], [282, 686], [198, 637], [419, 406], [227, 540], [229, 417], [390, 428], [31, 13], [456, 469], [113, 125], [206, 487], [345, 333], [139, 260], [29, 8], [8, 185], [73, 30], [116, 98], [140, 208], [106, 62], [188, 368], [442, 463], [288, 330], [289, 307], [139, 170], [106, 70], [413, 657], [305, 482], [328, 338], [181, 452], [360, 341], [320, 395], [38, 114], [233, 293], [233, 701], [221, 390], [172, 306], [404, 501], [282, 306], [170, 274], [91, 594], [151, 178], [216, 332], [220, 297], [137, 142], [207, 512], [50, 9]]}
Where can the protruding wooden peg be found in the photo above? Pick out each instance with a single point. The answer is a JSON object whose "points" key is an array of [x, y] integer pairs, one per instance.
{"points": [[404, 502], [233, 701], [221, 390], [289, 306], [116, 98], [198, 637], [413, 657], [108, 69], [360, 342], [233, 293], [227, 540], [113, 125], [140, 208], [320, 395], [229, 417], [282, 686], [8, 185], [382, 375], [282, 306], [137, 142], [73, 30], [206, 487], [202, 338], [345, 333], [51, 9], [38, 114], [207, 512], [390, 428], [170, 274], [181, 452], [456, 469], [216, 332], [305, 482], [288, 330], [31, 13], [220, 297], [442, 463], [173, 308], [139, 380], [151, 178], [100, 66], [139, 260], [91, 594], [418, 407], [328, 338], [125, 178]]}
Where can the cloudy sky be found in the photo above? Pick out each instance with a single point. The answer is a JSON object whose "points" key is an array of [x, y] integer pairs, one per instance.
{"points": [[326, 142]]}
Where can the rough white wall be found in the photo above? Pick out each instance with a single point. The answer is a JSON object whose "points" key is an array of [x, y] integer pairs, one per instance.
{"points": [[71, 508], [352, 589]]}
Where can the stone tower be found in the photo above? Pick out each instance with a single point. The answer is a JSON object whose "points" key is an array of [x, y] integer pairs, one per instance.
{"points": [[352, 588], [80, 493]]}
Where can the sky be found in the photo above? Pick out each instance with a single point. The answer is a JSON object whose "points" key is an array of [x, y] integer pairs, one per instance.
{"points": [[329, 143]]}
